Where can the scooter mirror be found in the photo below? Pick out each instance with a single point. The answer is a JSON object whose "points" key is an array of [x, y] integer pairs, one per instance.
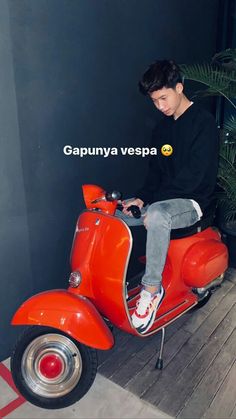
{"points": [[113, 196]]}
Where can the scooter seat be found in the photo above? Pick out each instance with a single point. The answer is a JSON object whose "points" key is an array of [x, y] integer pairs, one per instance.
{"points": [[205, 222]]}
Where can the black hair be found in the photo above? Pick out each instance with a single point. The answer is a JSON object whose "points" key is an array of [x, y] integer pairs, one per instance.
{"points": [[162, 73]]}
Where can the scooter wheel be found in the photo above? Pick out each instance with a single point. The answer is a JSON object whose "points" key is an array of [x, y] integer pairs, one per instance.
{"points": [[50, 369], [203, 300]]}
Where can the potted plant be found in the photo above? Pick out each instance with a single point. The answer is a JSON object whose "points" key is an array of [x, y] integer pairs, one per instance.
{"points": [[219, 79]]}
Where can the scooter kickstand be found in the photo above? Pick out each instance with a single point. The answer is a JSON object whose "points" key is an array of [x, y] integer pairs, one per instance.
{"points": [[159, 363]]}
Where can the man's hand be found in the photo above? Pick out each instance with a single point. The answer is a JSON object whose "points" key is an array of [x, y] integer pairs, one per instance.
{"points": [[126, 205]]}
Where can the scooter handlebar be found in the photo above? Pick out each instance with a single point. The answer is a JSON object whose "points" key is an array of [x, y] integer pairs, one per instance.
{"points": [[113, 198], [134, 209]]}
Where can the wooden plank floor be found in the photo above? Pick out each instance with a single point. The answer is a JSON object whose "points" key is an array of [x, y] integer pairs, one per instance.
{"points": [[199, 375]]}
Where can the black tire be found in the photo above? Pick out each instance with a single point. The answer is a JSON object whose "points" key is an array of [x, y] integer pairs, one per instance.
{"points": [[30, 361], [203, 300]]}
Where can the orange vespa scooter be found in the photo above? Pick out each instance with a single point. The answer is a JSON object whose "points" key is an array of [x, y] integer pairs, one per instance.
{"points": [[55, 360]]}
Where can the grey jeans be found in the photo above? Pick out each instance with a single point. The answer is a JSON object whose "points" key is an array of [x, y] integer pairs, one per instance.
{"points": [[162, 216]]}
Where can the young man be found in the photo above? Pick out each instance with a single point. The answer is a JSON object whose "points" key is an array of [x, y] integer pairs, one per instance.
{"points": [[181, 179]]}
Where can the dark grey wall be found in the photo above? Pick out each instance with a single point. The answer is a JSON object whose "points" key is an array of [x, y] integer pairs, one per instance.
{"points": [[14, 244], [69, 73]]}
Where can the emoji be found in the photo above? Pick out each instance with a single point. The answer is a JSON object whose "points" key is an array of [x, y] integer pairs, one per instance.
{"points": [[166, 150]]}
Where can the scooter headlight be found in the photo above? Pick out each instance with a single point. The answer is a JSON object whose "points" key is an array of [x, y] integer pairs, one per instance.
{"points": [[75, 279]]}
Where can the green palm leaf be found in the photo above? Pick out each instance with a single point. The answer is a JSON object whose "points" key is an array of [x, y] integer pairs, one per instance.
{"points": [[217, 80], [227, 180], [230, 126], [206, 74], [228, 55]]}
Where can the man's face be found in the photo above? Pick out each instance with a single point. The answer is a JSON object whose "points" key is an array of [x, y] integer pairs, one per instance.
{"points": [[167, 100]]}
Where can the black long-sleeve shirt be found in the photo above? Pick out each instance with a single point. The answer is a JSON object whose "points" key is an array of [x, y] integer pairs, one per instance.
{"points": [[191, 170]]}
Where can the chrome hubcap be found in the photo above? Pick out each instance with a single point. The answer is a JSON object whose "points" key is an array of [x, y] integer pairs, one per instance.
{"points": [[51, 365]]}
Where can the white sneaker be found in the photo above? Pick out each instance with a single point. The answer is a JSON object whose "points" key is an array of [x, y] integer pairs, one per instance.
{"points": [[146, 308]]}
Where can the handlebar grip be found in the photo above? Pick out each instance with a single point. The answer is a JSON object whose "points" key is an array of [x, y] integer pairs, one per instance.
{"points": [[135, 210]]}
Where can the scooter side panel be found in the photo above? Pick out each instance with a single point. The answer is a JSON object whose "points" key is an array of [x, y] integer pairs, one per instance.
{"points": [[74, 315], [213, 262], [204, 262]]}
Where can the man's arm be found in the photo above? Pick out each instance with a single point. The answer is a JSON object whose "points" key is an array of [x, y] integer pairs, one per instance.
{"points": [[144, 195], [202, 162], [153, 178], [151, 182]]}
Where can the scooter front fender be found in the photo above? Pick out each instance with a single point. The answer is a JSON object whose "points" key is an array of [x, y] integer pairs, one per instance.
{"points": [[74, 315]]}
